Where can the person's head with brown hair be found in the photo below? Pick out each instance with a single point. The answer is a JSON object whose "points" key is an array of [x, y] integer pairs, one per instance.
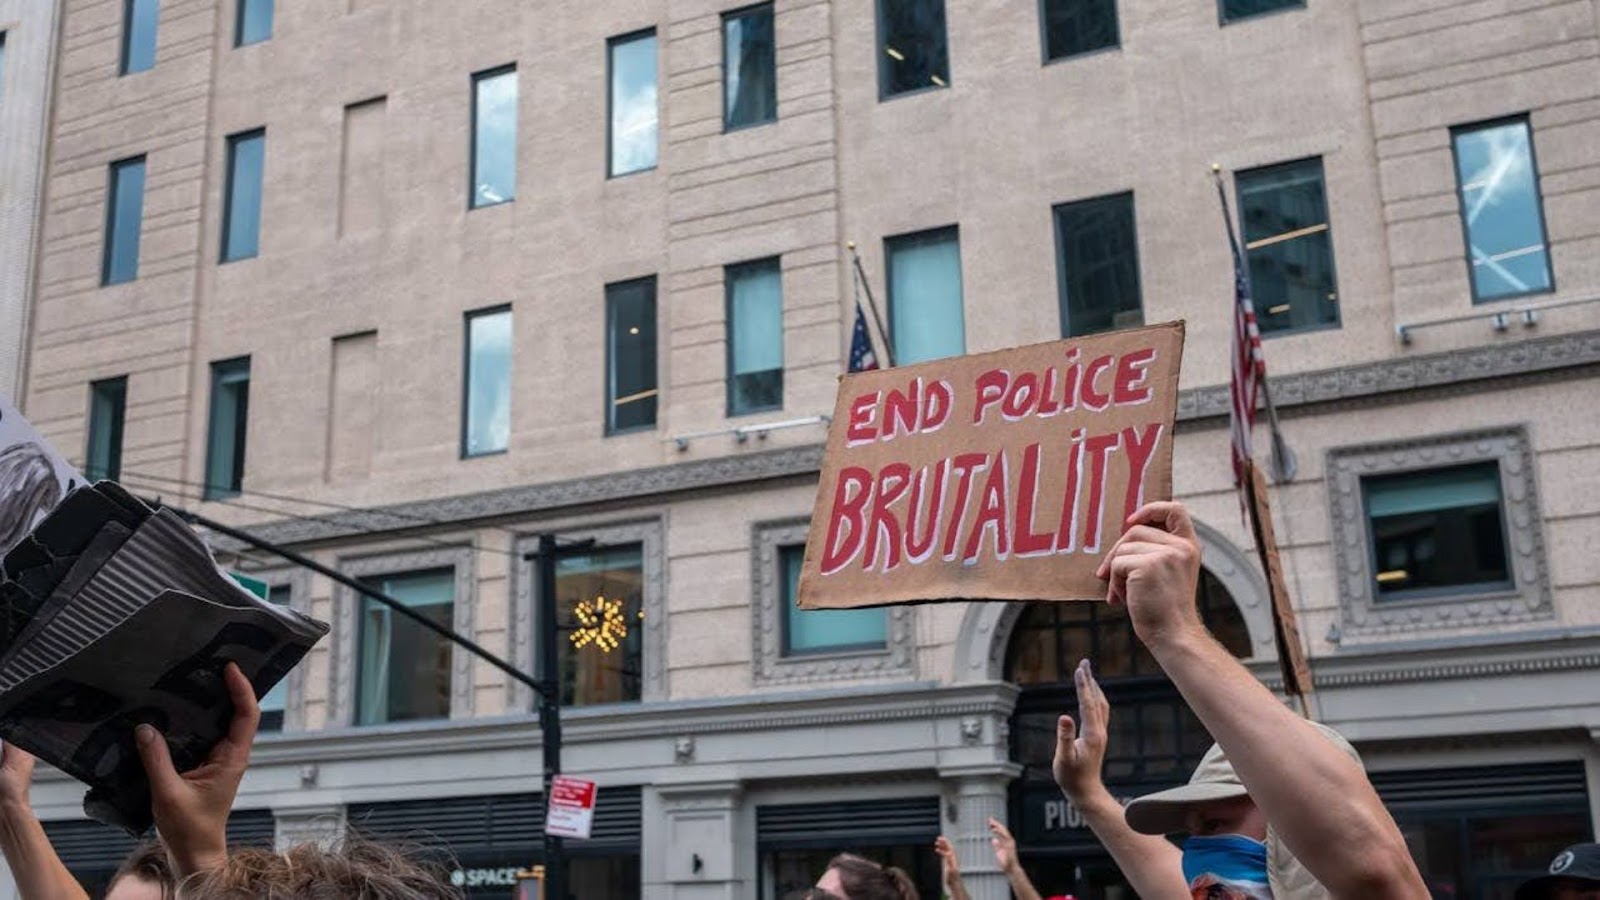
{"points": [[852, 877], [355, 869], [144, 875]]}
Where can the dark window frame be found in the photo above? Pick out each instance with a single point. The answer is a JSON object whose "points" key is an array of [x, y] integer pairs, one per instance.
{"points": [[776, 262], [771, 8], [884, 95], [229, 174], [118, 428], [565, 649], [786, 604], [1399, 599], [611, 44], [1045, 59], [241, 427], [363, 603], [611, 386], [472, 135], [1224, 21], [1333, 254], [238, 24], [466, 376], [954, 229], [125, 41], [1526, 121], [113, 182], [1061, 252]]}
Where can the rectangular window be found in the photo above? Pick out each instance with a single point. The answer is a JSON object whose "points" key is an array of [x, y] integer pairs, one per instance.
{"points": [[914, 52], [124, 210], [1501, 211], [138, 35], [1098, 252], [241, 208], [599, 604], [755, 336], [749, 68], [1075, 27], [276, 701], [494, 137], [635, 113], [225, 431], [405, 668], [1289, 247], [925, 312], [1437, 531], [1234, 10], [631, 355], [108, 403], [808, 631], [486, 406], [253, 23]]}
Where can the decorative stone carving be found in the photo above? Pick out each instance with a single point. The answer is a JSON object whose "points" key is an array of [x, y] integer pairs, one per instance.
{"points": [[346, 624], [648, 534], [896, 660], [683, 748], [971, 731], [1528, 599]]}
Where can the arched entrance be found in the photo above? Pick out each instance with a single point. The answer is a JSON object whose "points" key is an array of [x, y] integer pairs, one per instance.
{"points": [[1155, 741]]}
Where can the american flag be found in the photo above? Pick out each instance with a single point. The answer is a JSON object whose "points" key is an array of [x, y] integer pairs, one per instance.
{"points": [[862, 357], [1249, 367]]}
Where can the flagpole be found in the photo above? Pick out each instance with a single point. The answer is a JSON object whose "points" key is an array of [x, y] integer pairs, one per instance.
{"points": [[872, 304], [1285, 630]]}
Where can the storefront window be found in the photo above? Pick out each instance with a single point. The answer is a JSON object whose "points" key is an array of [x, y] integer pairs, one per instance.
{"points": [[795, 841], [600, 603]]}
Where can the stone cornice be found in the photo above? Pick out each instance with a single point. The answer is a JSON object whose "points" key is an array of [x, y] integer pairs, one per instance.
{"points": [[1447, 660], [1468, 368], [915, 701]]}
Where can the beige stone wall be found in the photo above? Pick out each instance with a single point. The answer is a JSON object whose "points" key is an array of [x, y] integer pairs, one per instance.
{"points": [[29, 29], [352, 313]]}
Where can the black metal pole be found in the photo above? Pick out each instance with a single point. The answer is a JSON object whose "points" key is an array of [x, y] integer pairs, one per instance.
{"points": [[555, 864], [366, 590]]}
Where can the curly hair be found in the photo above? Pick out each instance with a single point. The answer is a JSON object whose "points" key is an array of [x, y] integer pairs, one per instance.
{"points": [[863, 879], [147, 862], [353, 870]]}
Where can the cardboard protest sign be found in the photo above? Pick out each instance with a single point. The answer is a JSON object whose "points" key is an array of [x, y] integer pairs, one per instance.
{"points": [[996, 476]]}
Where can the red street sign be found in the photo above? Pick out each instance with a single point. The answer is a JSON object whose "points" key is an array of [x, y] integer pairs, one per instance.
{"points": [[571, 811]]}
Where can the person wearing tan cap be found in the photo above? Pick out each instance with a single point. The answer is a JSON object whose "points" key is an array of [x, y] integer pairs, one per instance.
{"points": [[1279, 808]]}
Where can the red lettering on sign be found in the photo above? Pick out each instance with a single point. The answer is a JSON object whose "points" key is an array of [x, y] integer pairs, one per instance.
{"points": [[1132, 370], [1140, 449], [863, 413], [920, 546], [893, 479], [1026, 541], [845, 526], [991, 388], [991, 515], [964, 464]]}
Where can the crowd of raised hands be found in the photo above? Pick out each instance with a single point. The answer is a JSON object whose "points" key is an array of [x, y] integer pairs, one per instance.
{"points": [[1005, 859]]}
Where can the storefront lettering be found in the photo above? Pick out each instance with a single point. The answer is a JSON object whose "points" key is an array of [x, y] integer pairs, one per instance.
{"points": [[484, 877], [1063, 814]]}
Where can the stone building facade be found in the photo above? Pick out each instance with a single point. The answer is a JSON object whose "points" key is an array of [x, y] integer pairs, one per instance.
{"points": [[367, 323]]}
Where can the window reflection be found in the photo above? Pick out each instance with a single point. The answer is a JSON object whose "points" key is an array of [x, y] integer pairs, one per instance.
{"points": [[488, 412], [755, 337], [914, 48], [631, 356], [1501, 210], [494, 138], [1099, 265], [925, 308], [635, 115], [1289, 247], [593, 673], [1437, 529], [1072, 27], [749, 68]]}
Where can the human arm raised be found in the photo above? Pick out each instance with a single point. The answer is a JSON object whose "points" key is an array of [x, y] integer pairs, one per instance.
{"points": [[191, 808], [35, 867], [1316, 798], [1005, 856], [950, 870], [1152, 865]]}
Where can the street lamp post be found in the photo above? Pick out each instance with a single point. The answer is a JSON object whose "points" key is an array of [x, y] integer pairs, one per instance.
{"points": [[555, 864]]}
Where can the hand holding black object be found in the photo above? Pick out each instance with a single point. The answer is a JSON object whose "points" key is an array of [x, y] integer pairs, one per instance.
{"points": [[191, 809]]}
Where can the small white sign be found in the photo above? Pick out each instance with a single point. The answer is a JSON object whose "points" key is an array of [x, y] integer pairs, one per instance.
{"points": [[571, 810]]}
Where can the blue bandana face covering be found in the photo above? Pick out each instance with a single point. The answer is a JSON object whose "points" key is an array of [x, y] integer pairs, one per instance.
{"points": [[1226, 867]]}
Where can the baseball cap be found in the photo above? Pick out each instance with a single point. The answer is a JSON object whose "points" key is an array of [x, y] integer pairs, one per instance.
{"points": [[1166, 812], [1580, 862]]}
